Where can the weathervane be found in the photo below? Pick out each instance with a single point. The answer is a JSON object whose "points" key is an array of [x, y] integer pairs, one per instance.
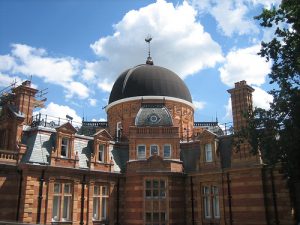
{"points": [[148, 39]]}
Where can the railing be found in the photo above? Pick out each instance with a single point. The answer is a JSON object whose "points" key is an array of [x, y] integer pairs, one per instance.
{"points": [[205, 124], [94, 124], [51, 121], [9, 156]]}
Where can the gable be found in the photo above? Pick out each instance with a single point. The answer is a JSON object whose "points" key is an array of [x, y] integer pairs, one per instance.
{"points": [[66, 128]]}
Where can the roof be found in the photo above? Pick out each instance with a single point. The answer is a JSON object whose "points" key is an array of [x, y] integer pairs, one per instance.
{"points": [[149, 80]]}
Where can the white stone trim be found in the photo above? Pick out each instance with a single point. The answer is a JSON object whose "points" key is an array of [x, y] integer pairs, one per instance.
{"points": [[149, 97]]}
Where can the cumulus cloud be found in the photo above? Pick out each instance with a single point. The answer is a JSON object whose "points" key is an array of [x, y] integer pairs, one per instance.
{"points": [[92, 101], [31, 61], [228, 109], [179, 43], [261, 98], [232, 16], [244, 64], [6, 80], [199, 104], [59, 111]]}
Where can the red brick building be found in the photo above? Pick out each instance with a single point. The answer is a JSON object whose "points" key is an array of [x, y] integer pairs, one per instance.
{"points": [[150, 163]]}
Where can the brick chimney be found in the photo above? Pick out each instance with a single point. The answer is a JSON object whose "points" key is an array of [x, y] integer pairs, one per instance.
{"points": [[241, 100], [25, 99]]}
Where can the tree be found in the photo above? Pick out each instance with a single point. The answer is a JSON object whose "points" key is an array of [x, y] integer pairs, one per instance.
{"points": [[276, 132]]}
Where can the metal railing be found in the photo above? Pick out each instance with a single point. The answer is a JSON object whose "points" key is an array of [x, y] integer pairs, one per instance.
{"points": [[45, 120]]}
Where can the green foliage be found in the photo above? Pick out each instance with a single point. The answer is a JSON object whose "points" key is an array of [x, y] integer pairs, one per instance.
{"points": [[276, 132]]}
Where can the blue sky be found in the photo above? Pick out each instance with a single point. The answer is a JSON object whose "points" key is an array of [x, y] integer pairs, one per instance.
{"points": [[77, 49]]}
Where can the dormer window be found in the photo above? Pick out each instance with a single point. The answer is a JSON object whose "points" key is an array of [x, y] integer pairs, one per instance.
{"points": [[208, 153], [101, 153], [64, 147]]}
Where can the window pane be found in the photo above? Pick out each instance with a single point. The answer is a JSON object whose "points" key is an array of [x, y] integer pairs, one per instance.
{"points": [[148, 193], [55, 209], [208, 153], [96, 208], [57, 188], [96, 190], [167, 151], [148, 217], [206, 191], [162, 184], [154, 150], [155, 183], [155, 193], [101, 153], [104, 191], [104, 208], [66, 208], [64, 147], [141, 151], [148, 184], [162, 193], [67, 189], [162, 217], [156, 217], [207, 207], [215, 190], [216, 207]]}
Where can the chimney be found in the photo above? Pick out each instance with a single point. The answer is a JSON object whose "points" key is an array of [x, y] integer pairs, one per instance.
{"points": [[25, 99], [241, 100]]}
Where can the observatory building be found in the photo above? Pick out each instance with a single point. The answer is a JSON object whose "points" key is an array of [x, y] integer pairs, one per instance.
{"points": [[149, 164]]}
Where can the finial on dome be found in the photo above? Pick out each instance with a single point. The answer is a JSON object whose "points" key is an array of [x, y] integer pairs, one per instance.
{"points": [[148, 39]]}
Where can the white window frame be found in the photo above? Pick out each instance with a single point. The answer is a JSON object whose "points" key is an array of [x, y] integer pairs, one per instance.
{"points": [[156, 189], [137, 151], [216, 202], [100, 202], [66, 146], [170, 151], [64, 202], [211, 202], [154, 145], [103, 153], [206, 202], [208, 152]]}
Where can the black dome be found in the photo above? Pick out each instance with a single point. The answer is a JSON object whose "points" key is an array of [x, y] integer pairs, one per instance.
{"points": [[149, 80]]}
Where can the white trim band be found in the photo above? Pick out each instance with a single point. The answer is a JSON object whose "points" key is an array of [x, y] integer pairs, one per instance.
{"points": [[149, 97]]}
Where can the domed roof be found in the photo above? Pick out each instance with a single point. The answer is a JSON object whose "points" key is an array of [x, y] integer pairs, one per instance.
{"points": [[149, 80]]}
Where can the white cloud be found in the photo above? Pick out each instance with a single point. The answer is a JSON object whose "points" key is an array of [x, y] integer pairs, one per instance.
{"points": [[261, 98], [76, 89], [31, 61], [34, 61], [228, 108], [199, 104], [232, 16], [6, 62], [244, 64], [179, 43], [92, 101], [6, 80], [59, 111]]}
